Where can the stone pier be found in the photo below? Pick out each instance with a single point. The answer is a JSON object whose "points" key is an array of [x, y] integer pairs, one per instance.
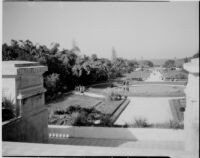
{"points": [[191, 115], [23, 83]]}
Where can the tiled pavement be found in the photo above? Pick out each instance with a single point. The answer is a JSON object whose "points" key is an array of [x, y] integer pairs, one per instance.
{"points": [[169, 145]]}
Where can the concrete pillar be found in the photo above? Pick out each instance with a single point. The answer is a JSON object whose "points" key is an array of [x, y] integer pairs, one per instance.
{"points": [[191, 115], [23, 83]]}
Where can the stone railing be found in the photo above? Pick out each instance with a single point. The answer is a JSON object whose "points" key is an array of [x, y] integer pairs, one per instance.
{"points": [[133, 134]]}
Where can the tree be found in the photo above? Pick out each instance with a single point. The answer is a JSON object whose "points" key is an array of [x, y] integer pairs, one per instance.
{"points": [[94, 57], [186, 60], [51, 83], [147, 63], [54, 48], [132, 64], [8, 53], [67, 68], [169, 64]]}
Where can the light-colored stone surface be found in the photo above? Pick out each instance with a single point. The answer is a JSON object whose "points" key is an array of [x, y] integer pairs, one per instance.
{"points": [[191, 122], [153, 109], [148, 149], [8, 88]]}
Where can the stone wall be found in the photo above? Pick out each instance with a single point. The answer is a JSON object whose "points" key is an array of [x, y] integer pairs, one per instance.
{"points": [[31, 129], [131, 134], [191, 115], [23, 82]]}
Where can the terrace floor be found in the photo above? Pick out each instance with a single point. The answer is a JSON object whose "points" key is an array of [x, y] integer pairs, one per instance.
{"points": [[172, 149], [149, 144]]}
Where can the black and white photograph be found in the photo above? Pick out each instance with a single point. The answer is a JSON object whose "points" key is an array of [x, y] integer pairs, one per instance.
{"points": [[100, 78]]}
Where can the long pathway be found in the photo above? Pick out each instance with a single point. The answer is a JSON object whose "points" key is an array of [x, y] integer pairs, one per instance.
{"points": [[154, 110]]}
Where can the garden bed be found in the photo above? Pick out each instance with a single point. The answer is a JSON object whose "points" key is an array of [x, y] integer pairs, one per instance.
{"points": [[109, 107], [81, 100], [79, 116], [80, 110]]}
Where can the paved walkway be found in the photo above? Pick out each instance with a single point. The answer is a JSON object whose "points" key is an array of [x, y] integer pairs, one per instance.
{"points": [[91, 94], [155, 110], [151, 149], [155, 76]]}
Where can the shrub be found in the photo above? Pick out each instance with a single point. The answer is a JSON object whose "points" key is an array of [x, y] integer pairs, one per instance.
{"points": [[51, 83], [8, 109], [78, 116], [169, 64], [171, 124], [72, 109], [113, 95], [175, 125], [106, 121], [60, 112], [79, 119], [139, 123]]}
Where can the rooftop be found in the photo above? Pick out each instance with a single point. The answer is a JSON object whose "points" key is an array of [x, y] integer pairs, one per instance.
{"points": [[10, 67], [17, 63]]}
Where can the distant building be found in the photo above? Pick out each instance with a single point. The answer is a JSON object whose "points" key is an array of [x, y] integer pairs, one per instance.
{"points": [[75, 48], [114, 54]]}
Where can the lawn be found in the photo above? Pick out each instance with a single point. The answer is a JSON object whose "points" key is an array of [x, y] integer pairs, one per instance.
{"points": [[159, 82], [148, 90], [138, 74], [175, 74], [109, 107], [65, 102], [157, 91], [102, 88]]}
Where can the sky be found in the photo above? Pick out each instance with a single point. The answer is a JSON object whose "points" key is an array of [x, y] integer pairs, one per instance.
{"points": [[135, 29]]}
